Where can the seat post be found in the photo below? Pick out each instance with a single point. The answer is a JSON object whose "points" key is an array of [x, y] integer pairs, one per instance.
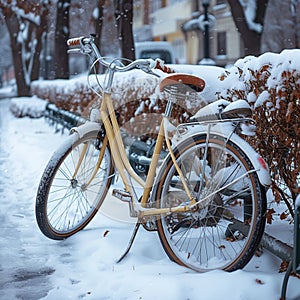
{"points": [[168, 110], [172, 93]]}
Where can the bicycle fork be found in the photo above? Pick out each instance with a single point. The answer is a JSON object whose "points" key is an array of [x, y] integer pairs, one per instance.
{"points": [[81, 157]]}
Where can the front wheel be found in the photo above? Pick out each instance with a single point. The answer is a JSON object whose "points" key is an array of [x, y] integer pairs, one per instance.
{"points": [[70, 194], [225, 228]]}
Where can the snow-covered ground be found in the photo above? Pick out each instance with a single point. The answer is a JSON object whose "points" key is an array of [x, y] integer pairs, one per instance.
{"points": [[84, 266]]}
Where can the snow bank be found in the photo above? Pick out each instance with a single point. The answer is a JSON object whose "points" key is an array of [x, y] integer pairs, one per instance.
{"points": [[32, 107]]}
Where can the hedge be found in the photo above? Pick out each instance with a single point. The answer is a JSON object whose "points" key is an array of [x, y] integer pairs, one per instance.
{"points": [[271, 84]]}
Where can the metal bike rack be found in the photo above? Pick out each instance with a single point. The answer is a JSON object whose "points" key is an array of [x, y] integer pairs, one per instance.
{"points": [[294, 265], [62, 117]]}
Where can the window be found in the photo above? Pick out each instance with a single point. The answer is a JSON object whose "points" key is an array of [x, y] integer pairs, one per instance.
{"points": [[162, 54], [221, 46], [180, 52]]}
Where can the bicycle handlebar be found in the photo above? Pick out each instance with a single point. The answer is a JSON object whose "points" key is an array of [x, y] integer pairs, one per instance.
{"points": [[145, 65], [75, 41]]}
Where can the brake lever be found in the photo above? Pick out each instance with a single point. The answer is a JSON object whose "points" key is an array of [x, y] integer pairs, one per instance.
{"points": [[149, 71], [82, 50], [85, 49], [74, 50]]}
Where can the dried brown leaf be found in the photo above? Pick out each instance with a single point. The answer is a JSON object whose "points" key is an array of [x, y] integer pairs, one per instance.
{"points": [[259, 281], [105, 233], [283, 216], [283, 266], [269, 216]]}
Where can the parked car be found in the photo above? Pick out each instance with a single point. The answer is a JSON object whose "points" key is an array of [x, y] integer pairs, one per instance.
{"points": [[163, 50]]}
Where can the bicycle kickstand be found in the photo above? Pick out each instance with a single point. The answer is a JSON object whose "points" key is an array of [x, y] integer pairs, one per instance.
{"points": [[137, 225]]}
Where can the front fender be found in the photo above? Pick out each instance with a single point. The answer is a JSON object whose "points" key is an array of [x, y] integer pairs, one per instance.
{"points": [[85, 128]]}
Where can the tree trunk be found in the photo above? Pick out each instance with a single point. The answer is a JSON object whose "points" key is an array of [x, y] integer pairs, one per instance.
{"points": [[124, 19], [12, 23], [282, 32], [26, 40], [251, 38], [261, 11], [40, 32], [61, 58], [98, 21]]}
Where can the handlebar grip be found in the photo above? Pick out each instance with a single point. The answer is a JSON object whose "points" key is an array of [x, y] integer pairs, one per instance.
{"points": [[160, 65], [74, 41]]}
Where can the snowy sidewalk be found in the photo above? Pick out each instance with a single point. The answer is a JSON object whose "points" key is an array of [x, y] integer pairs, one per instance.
{"points": [[83, 267], [24, 256], [7, 92]]}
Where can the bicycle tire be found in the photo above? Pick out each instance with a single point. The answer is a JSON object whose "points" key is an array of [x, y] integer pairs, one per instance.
{"points": [[64, 205], [226, 231]]}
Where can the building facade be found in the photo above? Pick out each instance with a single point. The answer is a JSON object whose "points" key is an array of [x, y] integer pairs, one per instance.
{"points": [[181, 23]]}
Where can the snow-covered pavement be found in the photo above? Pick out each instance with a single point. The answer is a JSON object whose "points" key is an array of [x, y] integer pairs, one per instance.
{"points": [[24, 255], [84, 266]]}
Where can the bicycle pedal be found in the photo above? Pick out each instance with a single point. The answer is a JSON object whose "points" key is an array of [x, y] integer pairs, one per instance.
{"points": [[122, 195]]}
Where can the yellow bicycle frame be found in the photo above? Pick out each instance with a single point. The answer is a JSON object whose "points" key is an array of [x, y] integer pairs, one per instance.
{"points": [[114, 138]]}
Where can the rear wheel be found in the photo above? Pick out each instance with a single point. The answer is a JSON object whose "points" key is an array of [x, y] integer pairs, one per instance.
{"points": [[225, 228], [66, 203]]}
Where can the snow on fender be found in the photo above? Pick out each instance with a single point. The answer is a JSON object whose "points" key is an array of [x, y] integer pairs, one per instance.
{"points": [[75, 134], [85, 128]]}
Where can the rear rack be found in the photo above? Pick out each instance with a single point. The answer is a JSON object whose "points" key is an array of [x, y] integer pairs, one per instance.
{"points": [[209, 120]]}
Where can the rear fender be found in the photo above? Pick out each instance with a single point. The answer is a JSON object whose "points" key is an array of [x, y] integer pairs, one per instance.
{"points": [[257, 161]]}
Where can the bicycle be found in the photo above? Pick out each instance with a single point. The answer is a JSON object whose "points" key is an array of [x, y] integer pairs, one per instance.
{"points": [[206, 199]]}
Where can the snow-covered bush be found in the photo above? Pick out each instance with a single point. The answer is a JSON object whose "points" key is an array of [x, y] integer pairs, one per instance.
{"points": [[32, 107], [136, 96], [71, 95], [271, 84]]}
